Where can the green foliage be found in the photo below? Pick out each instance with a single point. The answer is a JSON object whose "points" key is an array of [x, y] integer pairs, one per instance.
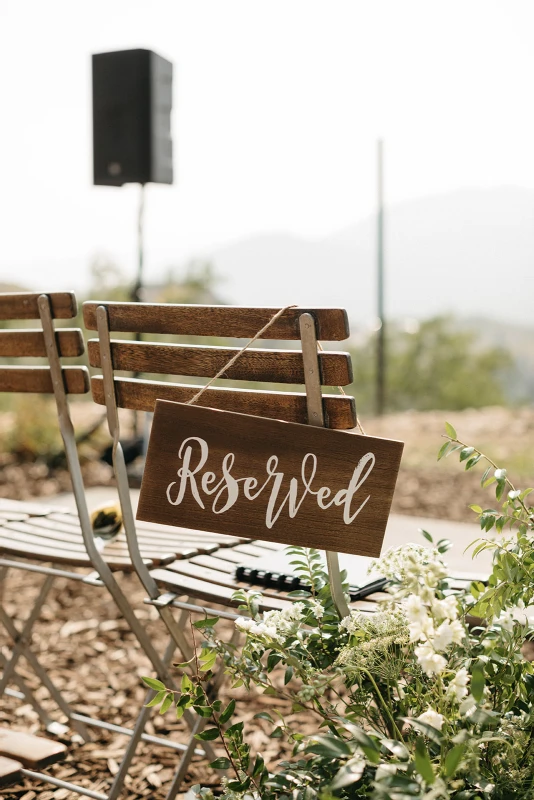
{"points": [[34, 430], [440, 366], [410, 702]]}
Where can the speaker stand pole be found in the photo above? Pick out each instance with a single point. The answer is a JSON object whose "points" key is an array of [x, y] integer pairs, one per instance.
{"points": [[138, 285]]}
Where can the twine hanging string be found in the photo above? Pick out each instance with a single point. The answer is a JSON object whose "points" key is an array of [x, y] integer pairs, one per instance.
{"points": [[239, 353]]}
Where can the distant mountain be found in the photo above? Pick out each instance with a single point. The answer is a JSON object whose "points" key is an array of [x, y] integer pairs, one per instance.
{"points": [[469, 252]]}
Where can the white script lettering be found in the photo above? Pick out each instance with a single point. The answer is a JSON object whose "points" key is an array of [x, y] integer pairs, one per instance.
{"points": [[194, 453]]}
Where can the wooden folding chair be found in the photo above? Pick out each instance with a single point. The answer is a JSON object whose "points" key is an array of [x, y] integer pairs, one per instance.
{"points": [[33, 536], [205, 580]]}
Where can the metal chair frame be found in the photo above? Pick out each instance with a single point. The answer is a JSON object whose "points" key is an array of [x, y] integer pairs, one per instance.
{"points": [[101, 577], [164, 602]]}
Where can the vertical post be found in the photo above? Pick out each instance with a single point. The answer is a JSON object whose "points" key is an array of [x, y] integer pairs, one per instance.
{"points": [[314, 402], [381, 339], [138, 285]]}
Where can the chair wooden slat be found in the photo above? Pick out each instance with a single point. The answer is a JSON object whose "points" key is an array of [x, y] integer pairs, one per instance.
{"points": [[9, 771], [24, 343], [38, 380], [24, 305], [340, 411], [232, 321], [56, 555], [273, 366], [33, 752]]}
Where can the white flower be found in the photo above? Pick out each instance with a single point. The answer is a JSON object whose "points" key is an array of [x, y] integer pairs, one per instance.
{"points": [[244, 623], [506, 621], [447, 633], [458, 685], [445, 609], [261, 629], [421, 630], [350, 623], [317, 608], [431, 717], [414, 609], [431, 662]]}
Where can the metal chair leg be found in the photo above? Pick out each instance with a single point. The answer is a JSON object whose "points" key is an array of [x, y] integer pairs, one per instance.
{"points": [[142, 719], [45, 680]]}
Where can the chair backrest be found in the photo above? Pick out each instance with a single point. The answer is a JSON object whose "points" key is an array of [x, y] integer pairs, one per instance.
{"points": [[280, 366], [277, 365], [45, 342]]}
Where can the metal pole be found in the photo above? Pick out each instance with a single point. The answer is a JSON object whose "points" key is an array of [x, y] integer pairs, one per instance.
{"points": [[381, 339], [138, 285]]}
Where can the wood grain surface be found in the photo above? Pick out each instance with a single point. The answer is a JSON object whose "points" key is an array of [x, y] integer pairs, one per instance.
{"points": [[23, 305], [301, 469], [273, 366], [140, 395], [26, 343], [38, 380], [233, 321]]}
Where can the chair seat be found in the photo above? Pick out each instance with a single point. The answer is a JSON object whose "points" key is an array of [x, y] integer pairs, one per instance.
{"points": [[33, 752], [50, 534], [9, 771], [211, 578]]}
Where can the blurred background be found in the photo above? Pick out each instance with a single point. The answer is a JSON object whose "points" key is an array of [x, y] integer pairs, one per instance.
{"points": [[277, 111]]}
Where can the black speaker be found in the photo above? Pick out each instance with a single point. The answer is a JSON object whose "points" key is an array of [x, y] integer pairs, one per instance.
{"points": [[132, 102]]}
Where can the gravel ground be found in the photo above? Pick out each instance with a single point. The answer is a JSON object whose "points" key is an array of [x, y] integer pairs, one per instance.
{"points": [[93, 658]]}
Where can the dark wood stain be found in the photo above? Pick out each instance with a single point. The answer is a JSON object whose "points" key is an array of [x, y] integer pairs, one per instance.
{"points": [[233, 321], [253, 440], [140, 395], [273, 366]]}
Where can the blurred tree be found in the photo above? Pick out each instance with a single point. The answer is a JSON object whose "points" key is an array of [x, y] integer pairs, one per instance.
{"points": [[196, 282], [108, 282], [437, 366]]}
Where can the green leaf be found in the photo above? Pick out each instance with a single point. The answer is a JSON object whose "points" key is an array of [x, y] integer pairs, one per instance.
{"points": [[351, 772], [208, 735], [153, 683], [259, 766], [428, 730], [157, 699], [478, 681], [427, 535], [203, 711], [209, 622], [167, 703], [209, 662], [288, 675], [264, 715], [422, 761], [227, 713], [221, 763], [453, 758], [466, 452], [277, 733], [442, 450], [329, 746], [187, 684], [450, 431], [476, 509]]}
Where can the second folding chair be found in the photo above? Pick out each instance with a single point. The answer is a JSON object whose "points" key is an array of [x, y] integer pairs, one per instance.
{"points": [[43, 540]]}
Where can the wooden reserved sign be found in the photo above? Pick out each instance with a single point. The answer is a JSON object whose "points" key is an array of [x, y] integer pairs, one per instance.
{"points": [[265, 479]]}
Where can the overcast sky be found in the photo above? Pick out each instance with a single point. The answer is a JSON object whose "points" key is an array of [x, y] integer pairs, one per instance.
{"points": [[278, 104]]}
